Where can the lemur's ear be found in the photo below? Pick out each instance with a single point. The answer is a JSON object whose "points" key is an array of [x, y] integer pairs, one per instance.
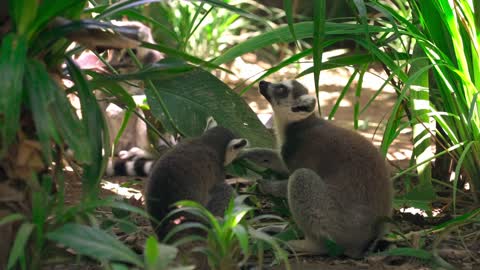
{"points": [[304, 103], [233, 148], [211, 123]]}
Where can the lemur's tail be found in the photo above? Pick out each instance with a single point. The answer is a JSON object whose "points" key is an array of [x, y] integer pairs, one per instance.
{"points": [[129, 167]]}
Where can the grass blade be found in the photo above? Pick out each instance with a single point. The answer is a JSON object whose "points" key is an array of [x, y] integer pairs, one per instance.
{"points": [[19, 246], [318, 37]]}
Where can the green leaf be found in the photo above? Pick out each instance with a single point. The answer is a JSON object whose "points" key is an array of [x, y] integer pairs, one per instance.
{"points": [[94, 243], [151, 252], [423, 192], [13, 55], [49, 9], [242, 236], [117, 266], [53, 114], [288, 7], [11, 218], [193, 96], [234, 9], [318, 38], [333, 248], [23, 13], [171, 52], [302, 30], [20, 244], [153, 72], [419, 106], [123, 5], [158, 256], [97, 133]]}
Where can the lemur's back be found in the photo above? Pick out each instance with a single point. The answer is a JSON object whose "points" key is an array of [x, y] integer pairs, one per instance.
{"points": [[344, 159], [190, 171]]}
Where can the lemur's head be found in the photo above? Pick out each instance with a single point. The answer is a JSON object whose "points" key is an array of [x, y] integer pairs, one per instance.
{"points": [[289, 99]]}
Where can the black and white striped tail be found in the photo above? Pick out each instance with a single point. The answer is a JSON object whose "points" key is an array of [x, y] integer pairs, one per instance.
{"points": [[129, 167]]}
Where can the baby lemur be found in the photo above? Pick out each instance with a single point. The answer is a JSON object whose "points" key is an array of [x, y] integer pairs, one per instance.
{"points": [[192, 170], [339, 187]]}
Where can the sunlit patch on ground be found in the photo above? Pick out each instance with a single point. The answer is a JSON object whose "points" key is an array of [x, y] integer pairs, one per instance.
{"points": [[126, 192], [415, 211]]}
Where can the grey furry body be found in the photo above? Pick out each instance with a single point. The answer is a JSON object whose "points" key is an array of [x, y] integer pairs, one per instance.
{"points": [[192, 170]]}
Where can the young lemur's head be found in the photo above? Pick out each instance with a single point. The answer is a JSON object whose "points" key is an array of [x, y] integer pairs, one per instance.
{"points": [[223, 137], [289, 99]]}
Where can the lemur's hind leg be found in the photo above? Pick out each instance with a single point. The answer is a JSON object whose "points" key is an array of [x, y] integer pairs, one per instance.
{"points": [[309, 201], [219, 197], [307, 246]]}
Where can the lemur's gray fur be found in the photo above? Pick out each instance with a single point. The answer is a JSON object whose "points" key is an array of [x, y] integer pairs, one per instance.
{"points": [[192, 170], [339, 187]]}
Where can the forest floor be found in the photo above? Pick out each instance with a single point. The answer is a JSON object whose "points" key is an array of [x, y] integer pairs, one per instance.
{"points": [[459, 247]]}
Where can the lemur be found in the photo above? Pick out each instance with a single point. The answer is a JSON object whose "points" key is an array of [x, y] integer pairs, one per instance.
{"points": [[192, 170], [133, 153], [135, 133], [339, 187]]}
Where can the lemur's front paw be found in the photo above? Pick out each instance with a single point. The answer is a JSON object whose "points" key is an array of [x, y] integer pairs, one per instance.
{"points": [[265, 186]]}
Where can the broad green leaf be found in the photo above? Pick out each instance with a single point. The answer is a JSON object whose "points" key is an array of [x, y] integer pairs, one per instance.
{"points": [[193, 96], [20, 244], [13, 55], [94, 243]]}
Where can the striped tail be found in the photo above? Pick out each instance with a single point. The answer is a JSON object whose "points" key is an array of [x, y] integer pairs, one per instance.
{"points": [[129, 167]]}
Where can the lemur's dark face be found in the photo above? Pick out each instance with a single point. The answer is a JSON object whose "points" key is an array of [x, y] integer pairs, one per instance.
{"points": [[289, 99]]}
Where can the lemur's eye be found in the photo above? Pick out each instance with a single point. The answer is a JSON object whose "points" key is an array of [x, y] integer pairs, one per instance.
{"points": [[281, 91]]}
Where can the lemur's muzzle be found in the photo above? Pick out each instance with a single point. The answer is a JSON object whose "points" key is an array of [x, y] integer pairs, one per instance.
{"points": [[263, 86]]}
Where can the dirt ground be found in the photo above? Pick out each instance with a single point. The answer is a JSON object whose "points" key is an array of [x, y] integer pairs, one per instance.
{"points": [[372, 124]]}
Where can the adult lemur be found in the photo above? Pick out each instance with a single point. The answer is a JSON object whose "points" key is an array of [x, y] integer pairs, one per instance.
{"points": [[339, 187]]}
